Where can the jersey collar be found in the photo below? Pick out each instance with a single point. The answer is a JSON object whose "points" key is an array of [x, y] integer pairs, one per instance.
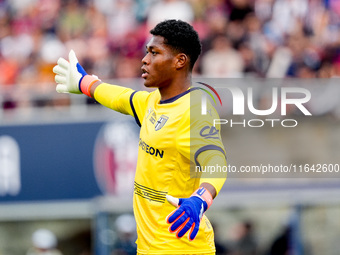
{"points": [[173, 99]]}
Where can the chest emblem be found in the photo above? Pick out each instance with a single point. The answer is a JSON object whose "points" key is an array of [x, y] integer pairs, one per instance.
{"points": [[161, 122]]}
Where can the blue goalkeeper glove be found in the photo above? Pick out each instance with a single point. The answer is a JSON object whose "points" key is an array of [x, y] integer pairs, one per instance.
{"points": [[71, 76], [188, 215]]}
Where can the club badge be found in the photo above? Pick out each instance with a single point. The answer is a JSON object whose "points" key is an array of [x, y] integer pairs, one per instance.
{"points": [[161, 122]]}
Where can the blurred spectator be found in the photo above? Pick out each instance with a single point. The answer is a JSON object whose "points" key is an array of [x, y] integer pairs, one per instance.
{"points": [[44, 243], [9, 69], [280, 63], [72, 22], [126, 229], [281, 244], [127, 67], [78, 243], [47, 15], [221, 248], [120, 18], [287, 14], [259, 46], [240, 9], [222, 60], [169, 9], [263, 9], [245, 243]]}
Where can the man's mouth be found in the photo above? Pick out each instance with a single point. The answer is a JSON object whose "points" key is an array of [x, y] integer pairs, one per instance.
{"points": [[144, 73]]}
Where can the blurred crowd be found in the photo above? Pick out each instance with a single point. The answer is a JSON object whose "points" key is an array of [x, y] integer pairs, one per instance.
{"points": [[242, 239], [240, 38]]}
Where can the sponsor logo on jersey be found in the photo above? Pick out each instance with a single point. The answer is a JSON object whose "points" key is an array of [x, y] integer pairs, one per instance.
{"points": [[209, 132], [150, 150]]}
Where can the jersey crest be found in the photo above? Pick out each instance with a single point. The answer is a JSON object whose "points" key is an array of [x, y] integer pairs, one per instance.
{"points": [[161, 122]]}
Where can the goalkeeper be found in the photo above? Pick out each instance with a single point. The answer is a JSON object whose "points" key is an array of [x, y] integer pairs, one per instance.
{"points": [[170, 138]]}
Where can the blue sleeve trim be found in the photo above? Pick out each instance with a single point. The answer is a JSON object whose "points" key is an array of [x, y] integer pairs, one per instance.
{"points": [[207, 148], [134, 110]]}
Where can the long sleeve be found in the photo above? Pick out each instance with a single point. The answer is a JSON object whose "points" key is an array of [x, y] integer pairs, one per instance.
{"points": [[123, 100]]}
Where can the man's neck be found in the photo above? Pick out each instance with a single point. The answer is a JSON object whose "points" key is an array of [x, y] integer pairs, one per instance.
{"points": [[176, 88]]}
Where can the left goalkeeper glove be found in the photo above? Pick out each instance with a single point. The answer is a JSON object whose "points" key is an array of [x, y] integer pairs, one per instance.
{"points": [[189, 213], [71, 76]]}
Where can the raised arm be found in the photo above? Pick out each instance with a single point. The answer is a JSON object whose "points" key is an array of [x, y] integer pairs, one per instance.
{"points": [[72, 78]]}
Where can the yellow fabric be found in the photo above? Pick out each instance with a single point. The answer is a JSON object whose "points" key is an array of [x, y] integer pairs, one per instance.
{"points": [[163, 166], [213, 158], [213, 253]]}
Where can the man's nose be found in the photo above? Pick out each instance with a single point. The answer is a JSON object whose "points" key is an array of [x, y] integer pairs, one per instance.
{"points": [[145, 60]]}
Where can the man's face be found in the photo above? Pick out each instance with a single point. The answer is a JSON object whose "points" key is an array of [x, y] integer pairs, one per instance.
{"points": [[158, 63]]}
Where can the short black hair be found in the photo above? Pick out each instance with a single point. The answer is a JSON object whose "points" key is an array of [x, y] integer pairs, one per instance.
{"points": [[180, 36]]}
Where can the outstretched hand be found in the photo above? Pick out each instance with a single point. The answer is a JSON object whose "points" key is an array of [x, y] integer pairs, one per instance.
{"points": [[69, 74]]}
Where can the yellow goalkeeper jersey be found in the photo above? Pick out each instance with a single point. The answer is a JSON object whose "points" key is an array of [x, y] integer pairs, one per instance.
{"points": [[163, 165]]}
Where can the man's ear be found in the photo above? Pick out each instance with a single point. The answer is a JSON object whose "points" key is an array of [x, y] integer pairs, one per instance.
{"points": [[181, 60]]}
